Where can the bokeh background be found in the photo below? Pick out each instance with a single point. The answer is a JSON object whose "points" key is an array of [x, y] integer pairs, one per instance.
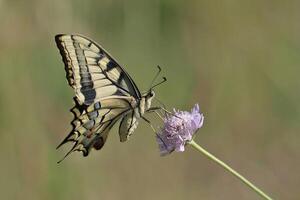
{"points": [[240, 60]]}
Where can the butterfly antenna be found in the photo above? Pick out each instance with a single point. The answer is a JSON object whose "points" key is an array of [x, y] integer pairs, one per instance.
{"points": [[164, 80], [156, 75]]}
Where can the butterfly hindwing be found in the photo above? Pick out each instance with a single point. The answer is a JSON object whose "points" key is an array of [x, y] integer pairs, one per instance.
{"points": [[91, 124], [127, 125]]}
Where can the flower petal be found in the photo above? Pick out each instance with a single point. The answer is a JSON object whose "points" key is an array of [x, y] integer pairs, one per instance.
{"points": [[178, 129]]}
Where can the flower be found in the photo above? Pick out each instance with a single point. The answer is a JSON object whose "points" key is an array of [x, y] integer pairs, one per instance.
{"points": [[178, 129]]}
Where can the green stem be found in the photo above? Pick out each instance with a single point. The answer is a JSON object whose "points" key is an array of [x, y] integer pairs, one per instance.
{"points": [[229, 169]]}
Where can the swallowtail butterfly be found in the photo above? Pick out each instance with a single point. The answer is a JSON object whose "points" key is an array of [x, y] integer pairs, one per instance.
{"points": [[104, 94]]}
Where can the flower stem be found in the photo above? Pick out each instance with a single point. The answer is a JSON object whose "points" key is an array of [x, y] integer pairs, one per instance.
{"points": [[229, 169]]}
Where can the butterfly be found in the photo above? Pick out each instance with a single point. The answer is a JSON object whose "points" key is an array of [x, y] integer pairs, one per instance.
{"points": [[104, 94]]}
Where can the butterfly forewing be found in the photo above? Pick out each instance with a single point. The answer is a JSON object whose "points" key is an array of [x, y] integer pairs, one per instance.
{"points": [[104, 92], [91, 71]]}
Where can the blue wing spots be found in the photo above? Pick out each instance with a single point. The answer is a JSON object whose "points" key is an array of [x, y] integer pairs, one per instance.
{"points": [[93, 115], [97, 105], [89, 125]]}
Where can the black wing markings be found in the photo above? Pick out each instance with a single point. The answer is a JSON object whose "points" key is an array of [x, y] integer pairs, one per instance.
{"points": [[84, 139], [65, 50], [86, 131]]}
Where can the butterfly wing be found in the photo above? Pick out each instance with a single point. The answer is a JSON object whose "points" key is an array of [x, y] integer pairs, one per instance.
{"points": [[127, 125], [91, 124], [92, 72], [104, 91]]}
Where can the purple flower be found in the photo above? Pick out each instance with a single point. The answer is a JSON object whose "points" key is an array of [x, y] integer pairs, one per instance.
{"points": [[179, 128]]}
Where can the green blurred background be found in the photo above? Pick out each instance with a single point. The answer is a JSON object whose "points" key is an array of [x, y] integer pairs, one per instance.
{"points": [[240, 60]]}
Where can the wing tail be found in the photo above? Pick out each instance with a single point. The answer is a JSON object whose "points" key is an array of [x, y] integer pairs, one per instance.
{"points": [[91, 124]]}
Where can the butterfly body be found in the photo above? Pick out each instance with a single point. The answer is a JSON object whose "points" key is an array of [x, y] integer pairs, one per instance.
{"points": [[104, 94]]}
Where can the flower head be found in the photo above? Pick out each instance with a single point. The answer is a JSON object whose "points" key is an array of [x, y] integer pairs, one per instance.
{"points": [[179, 128]]}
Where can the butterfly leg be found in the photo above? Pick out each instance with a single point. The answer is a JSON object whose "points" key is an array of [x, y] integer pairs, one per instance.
{"points": [[146, 120], [161, 103], [159, 114], [157, 135], [154, 109]]}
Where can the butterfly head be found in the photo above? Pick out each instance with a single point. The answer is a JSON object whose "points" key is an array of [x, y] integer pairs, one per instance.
{"points": [[148, 98]]}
